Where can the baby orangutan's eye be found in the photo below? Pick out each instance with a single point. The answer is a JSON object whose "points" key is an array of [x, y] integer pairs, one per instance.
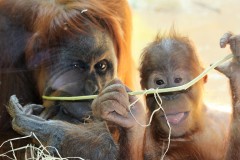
{"points": [[178, 80], [159, 82]]}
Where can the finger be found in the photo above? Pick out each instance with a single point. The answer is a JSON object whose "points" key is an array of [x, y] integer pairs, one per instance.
{"points": [[132, 99], [114, 81], [117, 118], [49, 112], [33, 109], [114, 88], [115, 102], [235, 44], [114, 85], [115, 97], [225, 39], [137, 108], [102, 108], [115, 92], [238, 45], [14, 107], [96, 108]]}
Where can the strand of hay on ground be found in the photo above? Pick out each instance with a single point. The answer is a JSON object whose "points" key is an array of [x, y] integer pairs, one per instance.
{"points": [[33, 152]]}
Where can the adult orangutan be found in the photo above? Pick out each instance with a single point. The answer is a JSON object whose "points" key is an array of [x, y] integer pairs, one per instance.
{"points": [[61, 48]]}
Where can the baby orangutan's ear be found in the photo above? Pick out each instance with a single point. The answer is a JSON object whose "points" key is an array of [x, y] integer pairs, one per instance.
{"points": [[205, 79]]}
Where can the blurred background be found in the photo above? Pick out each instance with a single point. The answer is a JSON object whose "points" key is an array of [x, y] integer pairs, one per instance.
{"points": [[204, 21]]}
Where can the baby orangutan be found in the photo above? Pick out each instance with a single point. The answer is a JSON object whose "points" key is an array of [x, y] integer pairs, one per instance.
{"points": [[171, 61]]}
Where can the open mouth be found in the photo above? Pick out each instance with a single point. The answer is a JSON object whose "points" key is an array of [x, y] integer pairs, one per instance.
{"points": [[176, 118]]}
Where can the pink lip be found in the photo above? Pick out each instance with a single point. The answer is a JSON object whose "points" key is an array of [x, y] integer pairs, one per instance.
{"points": [[176, 118]]}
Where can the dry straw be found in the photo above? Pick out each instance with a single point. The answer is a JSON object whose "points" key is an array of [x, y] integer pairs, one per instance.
{"points": [[32, 152]]}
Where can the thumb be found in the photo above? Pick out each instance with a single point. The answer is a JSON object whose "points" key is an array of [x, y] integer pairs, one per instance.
{"points": [[14, 107], [224, 69], [132, 98]]}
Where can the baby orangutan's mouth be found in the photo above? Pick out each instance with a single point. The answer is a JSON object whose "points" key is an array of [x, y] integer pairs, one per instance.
{"points": [[176, 118]]}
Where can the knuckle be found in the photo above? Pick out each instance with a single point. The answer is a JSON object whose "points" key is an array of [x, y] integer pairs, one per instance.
{"points": [[120, 88], [116, 88], [115, 81], [119, 97]]}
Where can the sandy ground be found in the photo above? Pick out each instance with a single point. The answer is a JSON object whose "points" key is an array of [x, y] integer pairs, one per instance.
{"points": [[203, 21]]}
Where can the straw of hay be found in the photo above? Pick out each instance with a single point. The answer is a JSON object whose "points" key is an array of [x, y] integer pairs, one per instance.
{"points": [[36, 153]]}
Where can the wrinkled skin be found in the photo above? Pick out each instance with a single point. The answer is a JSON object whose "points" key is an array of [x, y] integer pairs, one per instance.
{"points": [[111, 106]]}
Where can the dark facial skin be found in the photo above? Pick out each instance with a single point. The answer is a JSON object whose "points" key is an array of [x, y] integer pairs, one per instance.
{"points": [[80, 66]]}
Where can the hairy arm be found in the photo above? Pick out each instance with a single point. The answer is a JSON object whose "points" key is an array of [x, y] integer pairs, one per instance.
{"points": [[232, 70], [89, 141]]}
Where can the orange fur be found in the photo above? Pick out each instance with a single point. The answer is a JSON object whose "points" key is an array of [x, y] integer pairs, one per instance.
{"points": [[115, 17]]}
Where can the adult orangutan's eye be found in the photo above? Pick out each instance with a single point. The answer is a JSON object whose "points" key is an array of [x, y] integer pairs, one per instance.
{"points": [[79, 65], [101, 66]]}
